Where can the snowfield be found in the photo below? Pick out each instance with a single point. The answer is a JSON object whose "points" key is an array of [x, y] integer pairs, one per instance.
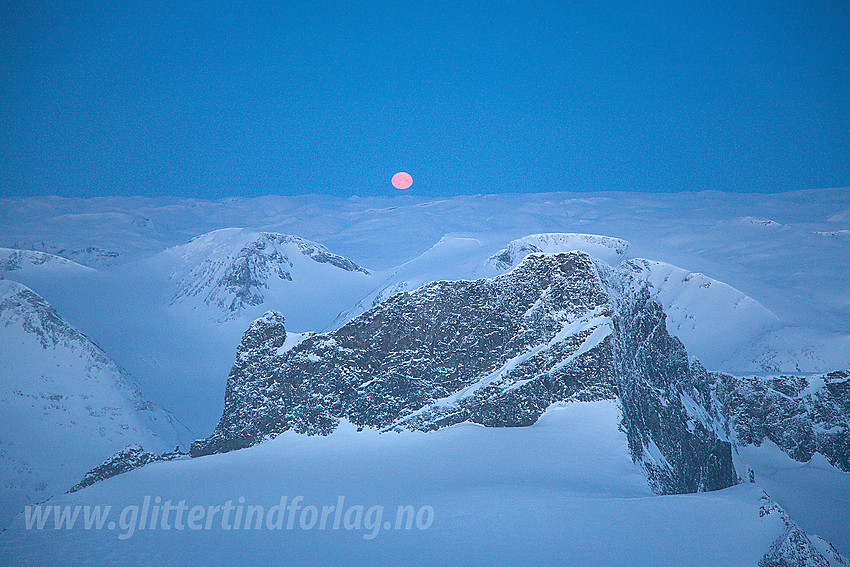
{"points": [[815, 494], [561, 492]]}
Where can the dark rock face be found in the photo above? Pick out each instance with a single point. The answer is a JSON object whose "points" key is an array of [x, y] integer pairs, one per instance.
{"points": [[802, 415], [494, 351], [255, 358], [667, 404], [125, 460]]}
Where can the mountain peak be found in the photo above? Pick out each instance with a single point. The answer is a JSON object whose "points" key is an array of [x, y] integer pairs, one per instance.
{"points": [[25, 263], [497, 352], [65, 404], [234, 269], [606, 248]]}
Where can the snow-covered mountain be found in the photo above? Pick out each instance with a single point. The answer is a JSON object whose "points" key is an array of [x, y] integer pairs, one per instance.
{"points": [[557, 328], [788, 268], [236, 274], [230, 272], [726, 329], [608, 249], [173, 320], [714, 320], [206, 292], [91, 256], [25, 264], [492, 351], [522, 314], [65, 405]]}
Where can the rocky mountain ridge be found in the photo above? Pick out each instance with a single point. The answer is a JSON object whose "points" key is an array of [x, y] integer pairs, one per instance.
{"points": [[492, 351], [802, 415]]}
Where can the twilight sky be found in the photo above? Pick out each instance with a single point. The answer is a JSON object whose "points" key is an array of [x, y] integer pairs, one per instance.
{"points": [[212, 99]]}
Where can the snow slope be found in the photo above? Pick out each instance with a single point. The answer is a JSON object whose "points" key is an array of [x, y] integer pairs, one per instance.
{"points": [[793, 349], [561, 492], [27, 264], [815, 494], [65, 405]]}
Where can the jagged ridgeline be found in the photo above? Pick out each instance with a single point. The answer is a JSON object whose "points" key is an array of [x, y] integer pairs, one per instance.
{"points": [[498, 352], [802, 415]]}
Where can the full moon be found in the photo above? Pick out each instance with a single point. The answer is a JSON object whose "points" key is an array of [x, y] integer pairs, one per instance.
{"points": [[402, 180]]}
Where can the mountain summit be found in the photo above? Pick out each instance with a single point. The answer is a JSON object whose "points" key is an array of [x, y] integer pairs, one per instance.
{"points": [[232, 273]]}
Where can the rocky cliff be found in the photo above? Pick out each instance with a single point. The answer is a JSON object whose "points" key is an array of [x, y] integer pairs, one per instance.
{"points": [[498, 352], [802, 415]]}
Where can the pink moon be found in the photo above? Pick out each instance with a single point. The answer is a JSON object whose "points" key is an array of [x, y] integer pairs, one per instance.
{"points": [[402, 180]]}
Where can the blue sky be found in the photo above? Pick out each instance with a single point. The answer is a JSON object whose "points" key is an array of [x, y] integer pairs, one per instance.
{"points": [[212, 99]]}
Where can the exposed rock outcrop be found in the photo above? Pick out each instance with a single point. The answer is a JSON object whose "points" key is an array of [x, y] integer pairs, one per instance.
{"points": [[127, 459], [802, 415]]}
